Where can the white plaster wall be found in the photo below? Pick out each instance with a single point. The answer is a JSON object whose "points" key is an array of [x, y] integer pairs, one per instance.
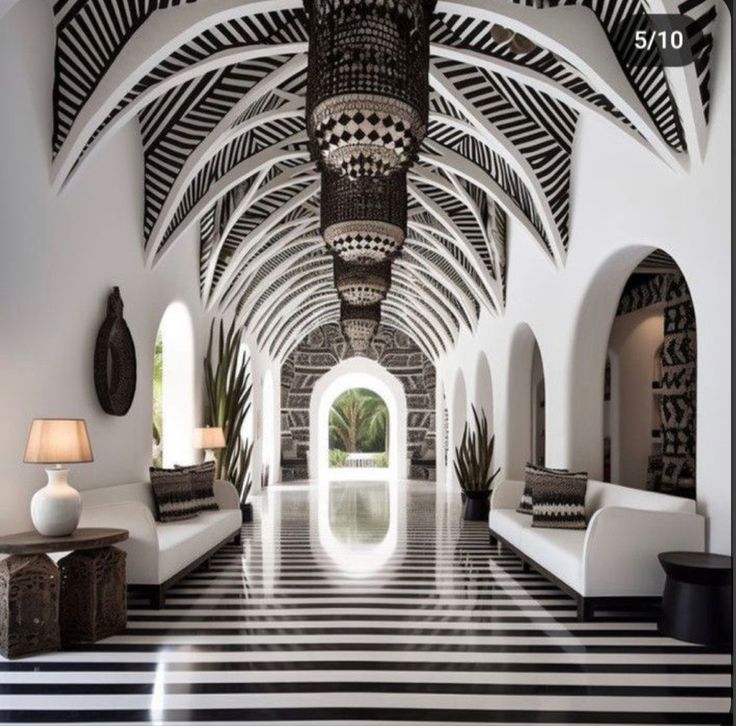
{"points": [[625, 202], [635, 338], [59, 258]]}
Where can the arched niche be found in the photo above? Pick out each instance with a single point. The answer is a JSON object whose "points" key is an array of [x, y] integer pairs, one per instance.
{"points": [[268, 440], [526, 434], [594, 324], [357, 372], [173, 386], [483, 399]]}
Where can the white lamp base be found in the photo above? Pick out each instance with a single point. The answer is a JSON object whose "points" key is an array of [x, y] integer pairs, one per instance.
{"points": [[55, 509]]}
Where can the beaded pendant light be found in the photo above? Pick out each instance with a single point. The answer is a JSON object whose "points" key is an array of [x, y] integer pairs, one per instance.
{"points": [[364, 219], [362, 284], [359, 324], [367, 83]]}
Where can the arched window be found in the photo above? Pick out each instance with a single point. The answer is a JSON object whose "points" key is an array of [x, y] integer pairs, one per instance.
{"points": [[173, 388]]}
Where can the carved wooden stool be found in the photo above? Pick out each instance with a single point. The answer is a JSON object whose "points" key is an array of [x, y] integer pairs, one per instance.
{"points": [[93, 595], [29, 605], [90, 596]]}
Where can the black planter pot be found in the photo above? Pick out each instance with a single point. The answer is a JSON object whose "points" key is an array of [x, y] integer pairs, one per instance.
{"points": [[476, 508], [247, 510]]}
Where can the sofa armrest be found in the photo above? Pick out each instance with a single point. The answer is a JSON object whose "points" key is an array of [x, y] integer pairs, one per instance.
{"points": [[226, 495], [507, 494], [621, 547], [142, 543]]}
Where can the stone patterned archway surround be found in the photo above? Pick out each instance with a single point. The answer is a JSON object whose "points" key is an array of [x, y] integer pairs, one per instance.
{"points": [[319, 352]]}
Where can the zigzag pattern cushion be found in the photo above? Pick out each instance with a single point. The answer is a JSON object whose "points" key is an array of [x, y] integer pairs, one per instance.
{"points": [[172, 494], [559, 501], [533, 474], [203, 481]]}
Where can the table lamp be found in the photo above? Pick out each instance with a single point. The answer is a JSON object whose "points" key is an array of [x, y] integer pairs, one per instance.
{"points": [[56, 508], [209, 439]]}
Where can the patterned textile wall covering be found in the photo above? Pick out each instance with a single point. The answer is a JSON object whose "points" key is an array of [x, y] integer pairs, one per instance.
{"points": [[638, 296], [321, 350], [677, 389]]}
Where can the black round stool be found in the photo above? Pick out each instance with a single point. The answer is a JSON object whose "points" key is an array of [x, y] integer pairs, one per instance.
{"points": [[696, 604]]}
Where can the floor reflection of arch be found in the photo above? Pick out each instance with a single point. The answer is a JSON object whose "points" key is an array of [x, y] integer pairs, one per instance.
{"points": [[353, 553]]}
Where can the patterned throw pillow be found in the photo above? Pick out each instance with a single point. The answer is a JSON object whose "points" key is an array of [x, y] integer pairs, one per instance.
{"points": [[172, 493], [203, 482], [559, 501], [533, 474]]}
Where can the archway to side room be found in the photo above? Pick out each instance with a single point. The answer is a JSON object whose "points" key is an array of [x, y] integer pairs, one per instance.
{"points": [[268, 440], [527, 427], [459, 415], [349, 375], [639, 316], [649, 405], [173, 388], [483, 399]]}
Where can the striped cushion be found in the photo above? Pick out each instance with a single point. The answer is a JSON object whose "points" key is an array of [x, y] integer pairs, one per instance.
{"points": [[203, 482], [533, 474], [559, 501], [172, 493]]}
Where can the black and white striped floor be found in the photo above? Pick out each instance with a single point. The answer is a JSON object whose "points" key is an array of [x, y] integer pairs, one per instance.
{"points": [[353, 606]]}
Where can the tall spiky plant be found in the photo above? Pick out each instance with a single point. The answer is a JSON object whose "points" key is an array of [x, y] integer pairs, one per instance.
{"points": [[228, 388], [473, 458]]}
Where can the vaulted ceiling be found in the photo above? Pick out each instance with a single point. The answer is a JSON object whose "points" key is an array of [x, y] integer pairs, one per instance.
{"points": [[217, 87]]}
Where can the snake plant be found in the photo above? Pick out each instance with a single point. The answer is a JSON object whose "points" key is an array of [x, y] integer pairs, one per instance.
{"points": [[473, 458], [228, 397]]}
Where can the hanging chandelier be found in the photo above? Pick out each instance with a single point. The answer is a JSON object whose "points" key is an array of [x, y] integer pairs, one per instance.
{"points": [[367, 83], [364, 219], [362, 284], [359, 324]]}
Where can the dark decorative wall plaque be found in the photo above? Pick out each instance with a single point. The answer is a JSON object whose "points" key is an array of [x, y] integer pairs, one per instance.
{"points": [[115, 366]]}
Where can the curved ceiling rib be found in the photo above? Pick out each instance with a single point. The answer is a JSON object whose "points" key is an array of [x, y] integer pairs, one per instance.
{"points": [[218, 88]]}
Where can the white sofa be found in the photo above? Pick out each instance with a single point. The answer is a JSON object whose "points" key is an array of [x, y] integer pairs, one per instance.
{"points": [[160, 553], [615, 558]]}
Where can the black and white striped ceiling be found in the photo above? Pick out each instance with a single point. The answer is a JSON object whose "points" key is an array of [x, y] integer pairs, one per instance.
{"points": [[218, 88]]}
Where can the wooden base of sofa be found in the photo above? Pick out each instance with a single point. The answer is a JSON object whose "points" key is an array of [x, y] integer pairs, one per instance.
{"points": [[586, 606], [156, 594]]}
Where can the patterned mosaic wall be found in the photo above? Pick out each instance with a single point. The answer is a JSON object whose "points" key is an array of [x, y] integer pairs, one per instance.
{"points": [[322, 349], [672, 469]]}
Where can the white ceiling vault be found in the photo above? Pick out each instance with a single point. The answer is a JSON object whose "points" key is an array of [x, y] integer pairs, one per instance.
{"points": [[218, 89]]}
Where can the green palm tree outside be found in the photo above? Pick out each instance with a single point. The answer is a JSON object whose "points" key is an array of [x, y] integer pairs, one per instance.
{"points": [[359, 423]]}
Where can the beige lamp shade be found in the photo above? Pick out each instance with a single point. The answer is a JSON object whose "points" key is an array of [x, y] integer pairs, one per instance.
{"points": [[210, 437], [58, 441]]}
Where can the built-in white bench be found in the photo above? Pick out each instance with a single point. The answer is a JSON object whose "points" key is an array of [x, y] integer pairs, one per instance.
{"points": [[615, 558], [161, 553]]}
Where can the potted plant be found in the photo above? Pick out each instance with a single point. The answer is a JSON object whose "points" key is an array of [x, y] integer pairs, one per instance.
{"points": [[228, 394], [473, 458]]}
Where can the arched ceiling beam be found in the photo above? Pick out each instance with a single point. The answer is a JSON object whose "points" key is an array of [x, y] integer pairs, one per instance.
{"points": [[412, 281], [400, 318], [294, 326], [452, 162], [420, 266], [276, 218], [437, 317], [420, 324], [493, 287], [421, 237], [579, 40], [306, 329], [236, 175], [82, 143], [576, 35], [225, 131]]}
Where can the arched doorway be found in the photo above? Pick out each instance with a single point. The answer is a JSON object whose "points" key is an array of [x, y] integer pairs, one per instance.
{"points": [[350, 374], [653, 341], [268, 440], [526, 439], [484, 389], [173, 388]]}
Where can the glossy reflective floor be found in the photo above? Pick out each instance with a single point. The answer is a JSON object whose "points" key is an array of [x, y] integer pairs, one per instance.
{"points": [[364, 602]]}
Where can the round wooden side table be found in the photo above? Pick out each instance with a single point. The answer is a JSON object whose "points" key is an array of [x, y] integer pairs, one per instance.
{"points": [[696, 604], [80, 601]]}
